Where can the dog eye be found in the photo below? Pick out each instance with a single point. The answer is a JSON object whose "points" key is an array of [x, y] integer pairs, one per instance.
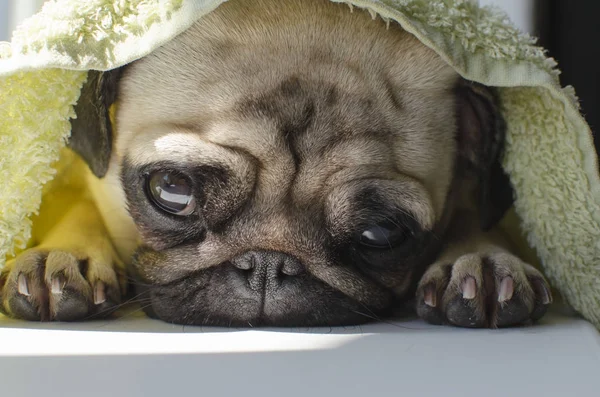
{"points": [[383, 235], [171, 192]]}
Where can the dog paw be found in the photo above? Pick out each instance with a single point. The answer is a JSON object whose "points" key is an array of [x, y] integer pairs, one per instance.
{"points": [[46, 285], [495, 290]]}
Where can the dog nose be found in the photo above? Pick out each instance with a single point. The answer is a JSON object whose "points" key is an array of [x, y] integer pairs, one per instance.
{"points": [[267, 269]]}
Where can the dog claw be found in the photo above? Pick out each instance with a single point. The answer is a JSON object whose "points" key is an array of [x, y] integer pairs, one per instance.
{"points": [[506, 290], [547, 298], [22, 285], [429, 296], [99, 293], [469, 288], [543, 292], [57, 285]]}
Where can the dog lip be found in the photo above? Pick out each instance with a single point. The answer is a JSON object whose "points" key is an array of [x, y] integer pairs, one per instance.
{"points": [[293, 268], [274, 303]]}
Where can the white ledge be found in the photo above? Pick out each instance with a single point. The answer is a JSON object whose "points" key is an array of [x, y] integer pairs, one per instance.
{"points": [[136, 356]]}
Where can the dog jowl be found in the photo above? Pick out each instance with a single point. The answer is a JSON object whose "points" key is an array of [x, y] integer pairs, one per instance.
{"points": [[277, 173]]}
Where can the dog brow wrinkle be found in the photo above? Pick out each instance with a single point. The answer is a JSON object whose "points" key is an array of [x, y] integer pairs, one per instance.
{"points": [[393, 94]]}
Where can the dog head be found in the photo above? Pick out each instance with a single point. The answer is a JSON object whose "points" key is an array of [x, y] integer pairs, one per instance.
{"points": [[287, 163]]}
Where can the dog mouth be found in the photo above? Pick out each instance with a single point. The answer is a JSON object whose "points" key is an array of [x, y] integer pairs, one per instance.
{"points": [[255, 289]]}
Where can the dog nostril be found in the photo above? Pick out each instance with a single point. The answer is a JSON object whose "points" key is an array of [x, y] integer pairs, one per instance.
{"points": [[275, 263], [245, 262], [292, 267]]}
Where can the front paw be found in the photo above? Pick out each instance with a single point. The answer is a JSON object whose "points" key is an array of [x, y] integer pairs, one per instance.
{"points": [[46, 285], [479, 290]]}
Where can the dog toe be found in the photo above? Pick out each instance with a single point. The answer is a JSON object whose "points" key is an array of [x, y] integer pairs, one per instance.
{"points": [[22, 307], [464, 313], [496, 290], [73, 305], [42, 285]]}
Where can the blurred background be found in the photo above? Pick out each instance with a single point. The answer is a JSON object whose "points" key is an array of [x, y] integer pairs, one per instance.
{"points": [[568, 29]]}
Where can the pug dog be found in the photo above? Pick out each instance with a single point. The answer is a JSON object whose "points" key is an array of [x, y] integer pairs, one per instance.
{"points": [[283, 163]]}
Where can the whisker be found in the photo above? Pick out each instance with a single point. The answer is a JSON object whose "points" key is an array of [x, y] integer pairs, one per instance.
{"points": [[380, 319], [131, 300], [393, 221], [365, 315], [387, 239], [135, 281], [131, 313]]}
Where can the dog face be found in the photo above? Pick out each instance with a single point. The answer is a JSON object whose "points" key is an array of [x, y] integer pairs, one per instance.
{"points": [[285, 163]]}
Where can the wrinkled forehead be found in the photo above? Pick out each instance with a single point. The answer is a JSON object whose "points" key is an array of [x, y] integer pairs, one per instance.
{"points": [[302, 101], [238, 51]]}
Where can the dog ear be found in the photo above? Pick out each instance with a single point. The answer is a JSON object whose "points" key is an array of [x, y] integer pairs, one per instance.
{"points": [[481, 133], [91, 131]]}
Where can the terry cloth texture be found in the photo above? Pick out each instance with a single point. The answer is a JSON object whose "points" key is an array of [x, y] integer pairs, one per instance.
{"points": [[549, 150]]}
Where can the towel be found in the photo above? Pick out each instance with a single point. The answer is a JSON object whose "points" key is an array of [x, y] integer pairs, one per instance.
{"points": [[549, 153]]}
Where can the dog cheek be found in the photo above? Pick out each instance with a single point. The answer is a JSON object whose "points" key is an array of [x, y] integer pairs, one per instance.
{"points": [[397, 281], [146, 264], [404, 284]]}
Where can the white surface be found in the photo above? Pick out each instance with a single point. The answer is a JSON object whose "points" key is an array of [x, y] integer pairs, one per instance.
{"points": [[519, 11], [13, 12], [4, 34], [135, 356]]}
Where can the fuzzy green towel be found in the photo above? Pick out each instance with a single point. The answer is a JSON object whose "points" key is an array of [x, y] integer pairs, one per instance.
{"points": [[549, 155]]}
